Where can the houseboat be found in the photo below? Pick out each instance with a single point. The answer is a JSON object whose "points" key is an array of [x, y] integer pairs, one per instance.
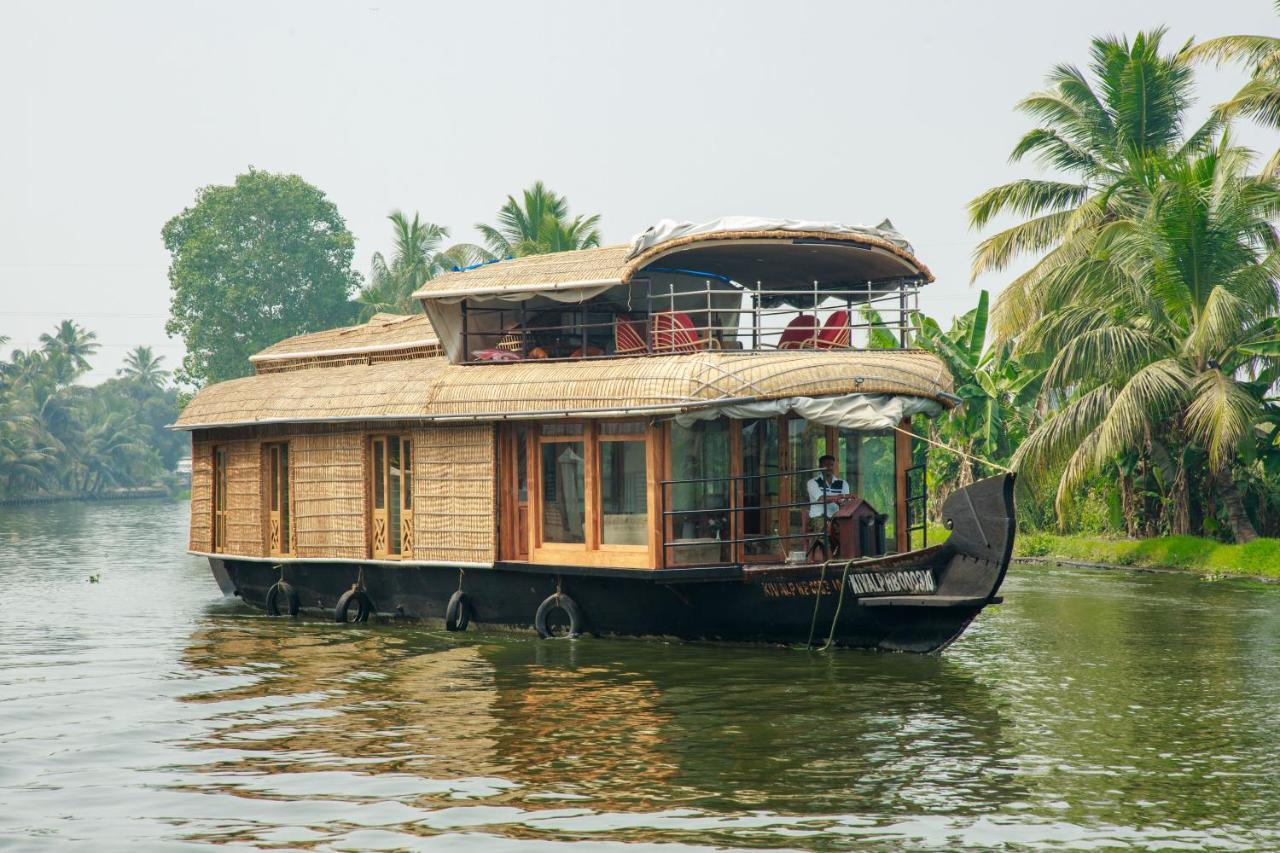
{"points": [[713, 432]]}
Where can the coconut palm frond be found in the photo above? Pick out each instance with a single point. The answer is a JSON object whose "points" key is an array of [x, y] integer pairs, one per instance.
{"points": [[1026, 198], [1221, 320], [1108, 350], [1035, 235], [1242, 49], [1221, 413], [1258, 99], [1047, 449], [1149, 396]]}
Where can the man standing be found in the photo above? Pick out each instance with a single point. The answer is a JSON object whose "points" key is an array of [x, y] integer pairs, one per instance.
{"points": [[824, 493]]}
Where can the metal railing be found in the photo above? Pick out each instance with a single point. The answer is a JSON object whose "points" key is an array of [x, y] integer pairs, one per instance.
{"points": [[734, 544], [644, 319]]}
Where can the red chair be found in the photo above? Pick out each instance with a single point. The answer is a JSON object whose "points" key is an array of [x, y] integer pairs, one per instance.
{"points": [[835, 332], [800, 332], [627, 339], [496, 355], [673, 331]]}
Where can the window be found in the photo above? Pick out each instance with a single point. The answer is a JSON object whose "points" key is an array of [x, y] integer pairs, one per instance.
{"points": [[219, 499], [699, 496], [736, 490], [564, 491], [761, 489], [592, 493], [624, 490], [391, 460], [279, 498]]}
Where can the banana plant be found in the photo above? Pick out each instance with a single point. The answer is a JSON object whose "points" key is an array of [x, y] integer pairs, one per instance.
{"points": [[997, 390]]}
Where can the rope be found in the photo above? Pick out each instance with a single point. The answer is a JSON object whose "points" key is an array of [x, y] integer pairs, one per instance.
{"points": [[844, 581], [817, 599], [461, 573], [961, 453]]}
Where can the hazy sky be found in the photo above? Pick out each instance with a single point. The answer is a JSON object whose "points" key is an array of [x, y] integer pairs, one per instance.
{"points": [[112, 115]]}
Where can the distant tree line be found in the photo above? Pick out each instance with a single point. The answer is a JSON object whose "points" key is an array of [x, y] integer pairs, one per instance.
{"points": [[61, 438]]}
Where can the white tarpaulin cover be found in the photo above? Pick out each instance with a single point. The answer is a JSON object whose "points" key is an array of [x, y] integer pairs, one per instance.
{"points": [[669, 229], [853, 411]]}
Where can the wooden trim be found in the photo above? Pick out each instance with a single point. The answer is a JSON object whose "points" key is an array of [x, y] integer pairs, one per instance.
{"points": [[591, 515], [637, 558], [735, 487], [654, 463], [218, 539], [902, 461]]}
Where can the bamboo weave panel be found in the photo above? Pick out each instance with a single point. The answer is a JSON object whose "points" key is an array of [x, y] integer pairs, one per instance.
{"points": [[453, 493], [201, 536], [329, 512], [244, 499]]}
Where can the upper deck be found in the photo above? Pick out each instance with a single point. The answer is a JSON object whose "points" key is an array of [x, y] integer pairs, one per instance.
{"points": [[735, 285]]}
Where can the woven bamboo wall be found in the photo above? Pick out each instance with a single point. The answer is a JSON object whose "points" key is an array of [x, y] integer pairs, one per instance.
{"points": [[329, 515], [244, 498], [454, 493], [201, 496]]}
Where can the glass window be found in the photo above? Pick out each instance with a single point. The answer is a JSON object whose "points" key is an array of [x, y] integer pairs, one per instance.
{"points": [[562, 429], [624, 518], [806, 443], [284, 497], [701, 520], [622, 428], [877, 478], [273, 454], [393, 495], [563, 492], [379, 475], [761, 487], [407, 444]]}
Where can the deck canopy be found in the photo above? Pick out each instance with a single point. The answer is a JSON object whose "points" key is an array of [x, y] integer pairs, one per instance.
{"points": [[891, 383], [729, 263]]}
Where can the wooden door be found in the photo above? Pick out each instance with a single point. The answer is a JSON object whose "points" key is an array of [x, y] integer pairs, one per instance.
{"points": [[380, 514], [513, 495], [279, 541], [391, 513], [406, 496]]}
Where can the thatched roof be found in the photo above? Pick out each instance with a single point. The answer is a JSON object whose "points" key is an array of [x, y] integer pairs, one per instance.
{"points": [[433, 389], [384, 337], [610, 265]]}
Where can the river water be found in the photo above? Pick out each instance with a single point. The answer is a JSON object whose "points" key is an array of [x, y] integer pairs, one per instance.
{"points": [[143, 712]]}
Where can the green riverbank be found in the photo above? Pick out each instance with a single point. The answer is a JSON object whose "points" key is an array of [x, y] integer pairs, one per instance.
{"points": [[1259, 558]]}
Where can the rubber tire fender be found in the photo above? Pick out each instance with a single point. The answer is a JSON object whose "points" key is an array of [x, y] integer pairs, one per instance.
{"points": [[457, 615], [563, 602], [282, 590], [358, 597]]}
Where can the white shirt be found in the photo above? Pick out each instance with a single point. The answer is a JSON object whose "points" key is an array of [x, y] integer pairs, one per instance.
{"points": [[818, 487]]}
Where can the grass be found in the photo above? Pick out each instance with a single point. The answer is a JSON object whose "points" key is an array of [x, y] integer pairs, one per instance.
{"points": [[1259, 558]]}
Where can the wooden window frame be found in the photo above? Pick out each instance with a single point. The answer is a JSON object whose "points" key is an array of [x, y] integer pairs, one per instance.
{"points": [[279, 504], [406, 447], [218, 537], [591, 552]]}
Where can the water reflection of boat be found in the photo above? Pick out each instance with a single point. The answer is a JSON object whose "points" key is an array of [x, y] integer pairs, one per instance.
{"points": [[626, 439], [619, 724]]}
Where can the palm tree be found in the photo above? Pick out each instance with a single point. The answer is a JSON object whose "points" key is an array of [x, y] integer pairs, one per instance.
{"points": [[1100, 135], [540, 225], [418, 258], [69, 348], [143, 367], [1259, 99], [1158, 340]]}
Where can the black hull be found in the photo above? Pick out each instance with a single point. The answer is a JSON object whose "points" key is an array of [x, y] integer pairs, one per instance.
{"points": [[918, 602]]}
